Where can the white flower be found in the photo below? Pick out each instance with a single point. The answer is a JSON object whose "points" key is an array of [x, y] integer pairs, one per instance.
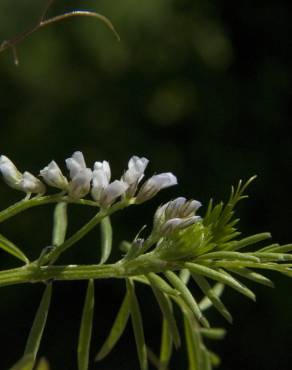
{"points": [[104, 167], [152, 186], [80, 184], [112, 192], [30, 184], [80, 175], [53, 176], [10, 173], [75, 163], [25, 182], [134, 173], [104, 192]]}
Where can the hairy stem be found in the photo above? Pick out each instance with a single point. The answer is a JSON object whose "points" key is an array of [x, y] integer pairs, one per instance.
{"points": [[33, 273]]}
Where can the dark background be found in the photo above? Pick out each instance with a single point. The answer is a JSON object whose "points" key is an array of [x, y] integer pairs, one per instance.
{"points": [[202, 89]]}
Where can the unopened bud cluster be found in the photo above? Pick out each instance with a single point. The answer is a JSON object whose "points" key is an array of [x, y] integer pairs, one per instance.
{"points": [[83, 180], [176, 215]]}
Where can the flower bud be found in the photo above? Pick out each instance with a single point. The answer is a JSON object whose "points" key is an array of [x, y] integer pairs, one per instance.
{"points": [[176, 224], [10, 173], [190, 208], [152, 186], [173, 208], [30, 184], [54, 177]]}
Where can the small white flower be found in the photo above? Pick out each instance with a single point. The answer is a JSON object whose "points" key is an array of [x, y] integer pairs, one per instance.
{"points": [[152, 186], [53, 176], [112, 192], [104, 167], [80, 175], [134, 173], [104, 192], [75, 163], [30, 184], [10, 173], [80, 184]]}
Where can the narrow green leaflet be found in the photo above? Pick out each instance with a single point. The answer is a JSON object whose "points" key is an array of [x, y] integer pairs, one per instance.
{"points": [[221, 277], [207, 290], [271, 256], [166, 346], [193, 344], [276, 248], [25, 363], [213, 333], [251, 275], [166, 309], [187, 296], [245, 242], [106, 239], [117, 329], [60, 224], [12, 249], [86, 328], [185, 275], [229, 255], [206, 365], [161, 284], [205, 303], [137, 326], [38, 326]]}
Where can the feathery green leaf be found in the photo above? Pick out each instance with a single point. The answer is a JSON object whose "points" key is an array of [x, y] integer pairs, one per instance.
{"points": [[187, 296], [86, 328], [220, 276], [12, 249], [205, 303], [166, 309], [137, 325], [38, 326], [117, 329], [161, 284], [208, 291], [251, 275], [166, 345]]}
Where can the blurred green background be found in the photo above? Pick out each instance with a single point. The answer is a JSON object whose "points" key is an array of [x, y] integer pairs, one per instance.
{"points": [[202, 89]]}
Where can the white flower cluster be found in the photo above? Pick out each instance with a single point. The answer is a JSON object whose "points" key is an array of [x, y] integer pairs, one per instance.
{"points": [[176, 215], [83, 180]]}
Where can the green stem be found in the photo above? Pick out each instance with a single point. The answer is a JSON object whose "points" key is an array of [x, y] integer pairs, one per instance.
{"points": [[33, 273], [52, 256], [35, 202]]}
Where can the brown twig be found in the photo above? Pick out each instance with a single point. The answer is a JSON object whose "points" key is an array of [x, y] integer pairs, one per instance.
{"points": [[12, 43]]}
